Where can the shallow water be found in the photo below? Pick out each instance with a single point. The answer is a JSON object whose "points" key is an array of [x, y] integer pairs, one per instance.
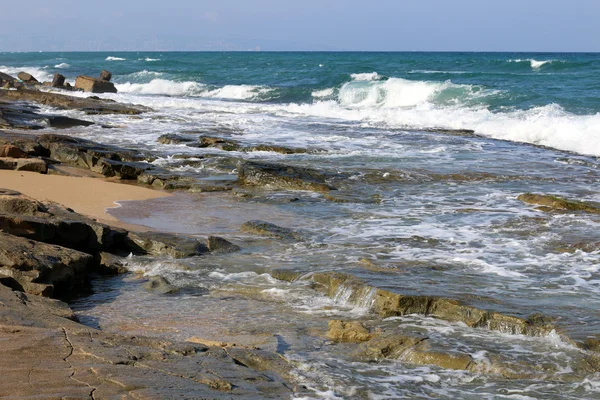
{"points": [[423, 213]]}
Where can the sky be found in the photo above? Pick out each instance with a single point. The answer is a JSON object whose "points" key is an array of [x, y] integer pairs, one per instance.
{"points": [[311, 25]]}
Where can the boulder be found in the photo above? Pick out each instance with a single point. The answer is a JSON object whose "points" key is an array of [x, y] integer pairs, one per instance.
{"points": [[268, 229], [156, 243], [105, 75], [555, 203], [24, 164], [219, 143], [160, 285], [58, 80], [220, 245], [43, 269], [6, 78], [93, 85], [170, 138], [109, 264], [277, 176], [12, 151], [354, 331], [27, 78]]}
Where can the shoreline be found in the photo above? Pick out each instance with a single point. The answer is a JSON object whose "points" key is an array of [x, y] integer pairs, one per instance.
{"points": [[92, 197]]}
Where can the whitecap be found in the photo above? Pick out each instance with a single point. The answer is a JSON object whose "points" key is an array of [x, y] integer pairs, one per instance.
{"points": [[323, 93], [62, 65], [162, 86], [367, 76], [111, 58]]}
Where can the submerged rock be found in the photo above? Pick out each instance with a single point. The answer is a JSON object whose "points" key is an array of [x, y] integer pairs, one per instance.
{"points": [[159, 284], [156, 243], [219, 143], [352, 331], [219, 245], [552, 203], [270, 230], [277, 176], [171, 138]]}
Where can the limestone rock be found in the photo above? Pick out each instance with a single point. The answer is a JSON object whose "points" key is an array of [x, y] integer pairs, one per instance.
{"points": [[551, 203], [43, 269], [219, 143], [268, 229], [12, 151], [219, 245], [24, 164], [93, 85], [352, 331], [172, 245], [276, 176], [27, 78]]}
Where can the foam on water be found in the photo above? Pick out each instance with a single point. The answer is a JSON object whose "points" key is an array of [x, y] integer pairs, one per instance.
{"points": [[323, 93], [111, 58], [39, 73], [535, 64], [367, 76], [62, 65], [162, 87]]}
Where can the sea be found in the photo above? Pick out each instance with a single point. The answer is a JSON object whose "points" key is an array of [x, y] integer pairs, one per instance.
{"points": [[430, 151]]}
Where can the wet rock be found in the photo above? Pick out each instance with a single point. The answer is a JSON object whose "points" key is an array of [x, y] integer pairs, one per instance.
{"points": [[88, 105], [268, 229], [12, 151], [24, 164], [13, 202], [155, 243], [553, 203], [219, 143], [277, 176], [105, 75], [389, 304], [43, 269], [27, 78], [276, 149], [120, 169], [171, 138], [62, 122], [285, 275], [160, 285], [58, 80], [93, 85], [6, 78], [261, 360], [109, 264], [219, 245], [352, 331]]}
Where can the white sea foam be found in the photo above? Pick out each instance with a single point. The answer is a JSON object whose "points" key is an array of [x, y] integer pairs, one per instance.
{"points": [[62, 65], [111, 58], [144, 74], [41, 74], [162, 86], [237, 92], [366, 76], [150, 59], [535, 64], [323, 93]]}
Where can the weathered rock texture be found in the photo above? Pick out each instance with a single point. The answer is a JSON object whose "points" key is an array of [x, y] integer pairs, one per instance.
{"points": [[93, 85]]}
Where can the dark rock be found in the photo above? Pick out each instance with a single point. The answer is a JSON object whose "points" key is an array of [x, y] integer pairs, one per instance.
{"points": [[276, 176], [172, 245], [12, 151], [43, 269], [553, 203], [276, 149], [27, 78], [171, 138], [219, 143], [93, 85], [109, 264], [220, 245], [105, 75], [6, 78], [58, 80], [159, 284], [61, 101], [24, 164], [62, 122], [270, 230], [119, 169]]}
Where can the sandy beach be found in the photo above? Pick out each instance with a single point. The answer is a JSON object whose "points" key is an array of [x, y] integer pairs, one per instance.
{"points": [[88, 196]]}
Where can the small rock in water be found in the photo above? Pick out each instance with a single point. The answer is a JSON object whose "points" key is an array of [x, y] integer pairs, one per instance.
{"points": [[58, 80], [105, 75], [220, 245], [159, 284], [27, 78]]}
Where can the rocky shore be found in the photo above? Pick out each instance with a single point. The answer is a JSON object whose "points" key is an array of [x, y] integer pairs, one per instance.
{"points": [[48, 253]]}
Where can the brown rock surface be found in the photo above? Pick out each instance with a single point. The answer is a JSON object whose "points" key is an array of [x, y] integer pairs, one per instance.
{"points": [[93, 85]]}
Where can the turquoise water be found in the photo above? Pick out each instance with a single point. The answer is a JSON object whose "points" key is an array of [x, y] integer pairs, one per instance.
{"points": [[445, 222]]}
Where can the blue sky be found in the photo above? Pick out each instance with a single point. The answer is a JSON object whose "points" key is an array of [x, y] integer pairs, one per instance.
{"points": [[394, 25]]}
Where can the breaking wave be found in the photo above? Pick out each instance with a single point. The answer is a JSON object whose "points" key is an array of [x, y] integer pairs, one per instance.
{"points": [[535, 64], [111, 58], [41, 74], [62, 65]]}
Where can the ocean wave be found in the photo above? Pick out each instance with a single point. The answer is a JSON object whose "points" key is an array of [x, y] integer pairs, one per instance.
{"points": [[238, 92], [535, 64], [323, 93], [62, 65], [111, 58], [163, 87], [366, 76], [39, 73], [142, 75], [148, 59]]}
